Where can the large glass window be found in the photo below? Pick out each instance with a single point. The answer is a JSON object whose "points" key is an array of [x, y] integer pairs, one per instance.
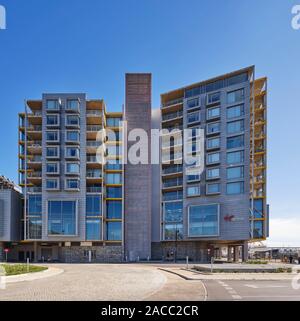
{"points": [[113, 122], [52, 104], [213, 173], [235, 157], [213, 98], [258, 231], [114, 231], [213, 143], [235, 96], [93, 205], [258, 208], [52, 184], [192, 103], [52, 136], [114, 209], [173, 211], [204, 220], [114, 192], [235, 188], [213, 158], [213, 128], [93, 229], [235, 111], [72, 184], [61, 217], [52, 151], [72, 120], [73, 104], [193, 191], [52, 120], [113, 178], [52, 168], [235, 127], [193, 117], [72, 168], [213, 188], [235, 172], [235, 142], [72, 152], [213, 112], [113, 164], [72, 136], [35, 216], [173, 231]]}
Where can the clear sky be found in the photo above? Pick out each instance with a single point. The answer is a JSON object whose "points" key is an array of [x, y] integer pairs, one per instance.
{"points": [[88, 45]]}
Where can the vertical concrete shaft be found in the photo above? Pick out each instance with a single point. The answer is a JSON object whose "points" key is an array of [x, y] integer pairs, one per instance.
{"points": [[137, 214], [1, 252], [245, 252]]}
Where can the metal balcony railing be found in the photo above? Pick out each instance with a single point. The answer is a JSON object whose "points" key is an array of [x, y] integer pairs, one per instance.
{"points": [[35, 159], [35, 174], [172, 115], [172, 170], [93, 112], [172, 183], [173, 102], [94, 174], [95, 128], [93, 189], [34, 189]]}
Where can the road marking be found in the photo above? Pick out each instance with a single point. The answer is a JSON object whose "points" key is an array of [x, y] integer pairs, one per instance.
{"points": [[237, 297], [230, 291], [228, 288], [264, 287], [251, 286]]}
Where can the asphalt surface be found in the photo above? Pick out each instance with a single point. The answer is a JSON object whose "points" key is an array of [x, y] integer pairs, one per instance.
{"points": [[281, 290]]}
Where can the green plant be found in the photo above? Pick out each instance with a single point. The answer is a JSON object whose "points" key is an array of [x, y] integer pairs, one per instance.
{"points": [[256, 262], [15, 269]]}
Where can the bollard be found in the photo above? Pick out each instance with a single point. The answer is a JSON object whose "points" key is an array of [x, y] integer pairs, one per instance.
{"points": [[187, 262], [28, 265]]}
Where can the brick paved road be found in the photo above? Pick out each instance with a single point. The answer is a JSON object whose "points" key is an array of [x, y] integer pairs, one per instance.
{"points": [[106, 282]]}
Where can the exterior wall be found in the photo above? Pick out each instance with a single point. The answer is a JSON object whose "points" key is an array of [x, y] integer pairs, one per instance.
{"points": [[10, 207], [62, 194], [1, 252], [138, 177], [237, 205]]}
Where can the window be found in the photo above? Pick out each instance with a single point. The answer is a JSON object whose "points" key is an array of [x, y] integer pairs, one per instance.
{"points": [[192, 103], [72, 136], [52, 104], [193, 132], [193, 191], [235, 111], [113, 150], [113, 164], [52, 136], [235, 96], [213, 188], [52, 152], [235, 157], [114, 209], [72, 168], [35, 216], [72, 184], [213, 143], [213, 128], [73, 104], [235, 172], [72, 120], [72, 152], [193, 175], [113, 122], [258, 208], [52, 168], [213, 158], [258, 230], [173, 231], [213, 98], [93, 206], [203, 220], [235, 127], [93, 230], [171, 196], [235, 188], [114, 179], [173, 211], [193, 117], [235, 142], [52, 184], [114, 231], [214, 112], [52, 120], [62, 217], [114, 192], [213, 173]]}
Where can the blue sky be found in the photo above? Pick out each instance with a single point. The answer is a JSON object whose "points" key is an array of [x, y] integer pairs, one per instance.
{"points": [[88, 45]]}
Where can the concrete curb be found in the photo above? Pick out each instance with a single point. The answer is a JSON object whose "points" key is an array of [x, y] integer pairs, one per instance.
{"points": [[32, 276], [229, 277]]}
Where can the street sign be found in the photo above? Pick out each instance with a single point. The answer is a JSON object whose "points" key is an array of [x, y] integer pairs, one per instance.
{"points": [[6, 250]]}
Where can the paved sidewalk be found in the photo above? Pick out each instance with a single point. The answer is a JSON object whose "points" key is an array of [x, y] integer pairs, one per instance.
{"points": [[194, 275]]}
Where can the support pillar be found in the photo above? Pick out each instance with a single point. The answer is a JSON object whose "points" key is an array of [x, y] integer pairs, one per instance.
{"points": [[236, 254], [245, 252], [35, 250], [2, 252], [229, 254]]}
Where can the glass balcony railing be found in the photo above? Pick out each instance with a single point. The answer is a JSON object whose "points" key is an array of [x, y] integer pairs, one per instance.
{"points": [[172, 115], [35, 174], [172, 196], [172, 170], [93, 189], [93, 112], [34, 189], [173, 102], [94, 128], [94, 174], [35, 159], [172, 183]]}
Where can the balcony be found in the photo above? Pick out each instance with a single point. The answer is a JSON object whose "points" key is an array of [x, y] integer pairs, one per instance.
{"points": [[35, 174], [35, 118], [172, 157], [94, 174], [33, 190], [173, 102], [172, 116], [167, 143], [94, 117], [172, 183], [93, 189], [172, 196], [172, 170]]}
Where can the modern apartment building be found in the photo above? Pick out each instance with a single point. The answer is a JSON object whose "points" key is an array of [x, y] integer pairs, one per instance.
{"points": [[223, 204], [79, 209]]}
